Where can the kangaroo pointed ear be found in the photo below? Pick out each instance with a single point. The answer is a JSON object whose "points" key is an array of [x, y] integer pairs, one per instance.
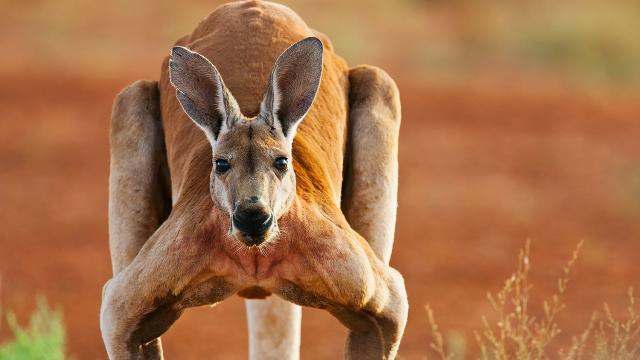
{"points": [[201, 92], [294, 82]]}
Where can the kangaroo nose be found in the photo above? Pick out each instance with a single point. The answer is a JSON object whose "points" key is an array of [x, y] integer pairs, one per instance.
{"points": [[253, 221]]}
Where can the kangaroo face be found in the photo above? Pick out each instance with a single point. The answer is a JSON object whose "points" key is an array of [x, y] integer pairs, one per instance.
{"points": [[252, 179]]}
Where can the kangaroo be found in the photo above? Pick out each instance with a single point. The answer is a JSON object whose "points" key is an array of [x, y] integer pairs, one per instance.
{"points": [[260, 165]]}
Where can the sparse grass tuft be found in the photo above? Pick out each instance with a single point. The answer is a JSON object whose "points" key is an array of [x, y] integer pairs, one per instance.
{"points": [[518, 334], [615, 339], [438, 341], [43, 338]]}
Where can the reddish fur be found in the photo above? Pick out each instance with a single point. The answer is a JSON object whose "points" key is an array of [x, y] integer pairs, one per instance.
{"points": [[318, 149], [318, 260]]}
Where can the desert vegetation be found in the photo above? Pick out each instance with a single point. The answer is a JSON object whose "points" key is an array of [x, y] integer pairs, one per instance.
{"points": [[43, 338], [518, 333]]}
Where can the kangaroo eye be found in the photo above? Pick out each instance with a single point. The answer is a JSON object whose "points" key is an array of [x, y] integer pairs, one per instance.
{"points": [[222, 166], [281, 163]]}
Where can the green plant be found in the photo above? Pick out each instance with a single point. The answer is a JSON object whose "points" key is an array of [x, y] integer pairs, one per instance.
{"points": [[43, 338]]}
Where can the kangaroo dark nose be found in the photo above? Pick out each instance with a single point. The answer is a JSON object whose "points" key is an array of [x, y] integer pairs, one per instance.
{"points": [[253, 221]]}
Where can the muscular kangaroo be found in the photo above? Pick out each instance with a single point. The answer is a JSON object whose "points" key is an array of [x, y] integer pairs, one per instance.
{"points": [[259, 165]]}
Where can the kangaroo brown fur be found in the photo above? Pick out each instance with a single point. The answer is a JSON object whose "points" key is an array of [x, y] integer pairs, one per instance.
{"points": [[172, 247]]}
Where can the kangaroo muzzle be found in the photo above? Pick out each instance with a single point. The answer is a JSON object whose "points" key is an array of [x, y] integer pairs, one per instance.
{"points": [[253, 221]]}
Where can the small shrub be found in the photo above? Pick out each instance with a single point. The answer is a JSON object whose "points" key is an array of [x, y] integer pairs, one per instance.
{"points": [[517, 334], [43, 338]]}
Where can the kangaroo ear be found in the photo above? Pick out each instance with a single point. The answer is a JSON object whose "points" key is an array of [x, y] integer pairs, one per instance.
{"points": [[294, 82], [201, 92]]}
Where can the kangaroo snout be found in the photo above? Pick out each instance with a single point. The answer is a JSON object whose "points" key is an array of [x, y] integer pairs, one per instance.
{"points": [[253, 221]]}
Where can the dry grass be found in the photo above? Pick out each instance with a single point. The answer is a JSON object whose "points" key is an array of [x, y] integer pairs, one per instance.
{"points": [[519, 334]]}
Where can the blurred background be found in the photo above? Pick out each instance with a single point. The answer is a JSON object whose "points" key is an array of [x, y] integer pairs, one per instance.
{"points": [[521, 120]]}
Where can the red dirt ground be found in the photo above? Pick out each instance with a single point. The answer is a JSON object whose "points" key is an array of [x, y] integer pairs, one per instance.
{"points": [[483, 168]]}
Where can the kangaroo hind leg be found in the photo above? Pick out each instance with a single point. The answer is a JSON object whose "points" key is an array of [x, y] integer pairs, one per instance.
{"points": [[370, 190], [139, 198]]}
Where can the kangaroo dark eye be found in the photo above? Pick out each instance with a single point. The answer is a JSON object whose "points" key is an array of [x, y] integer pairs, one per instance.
{"points": [[222, 166], [281, 163]]}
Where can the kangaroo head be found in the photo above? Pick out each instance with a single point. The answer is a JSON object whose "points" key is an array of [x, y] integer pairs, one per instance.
{"points": [[252, 178]]}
